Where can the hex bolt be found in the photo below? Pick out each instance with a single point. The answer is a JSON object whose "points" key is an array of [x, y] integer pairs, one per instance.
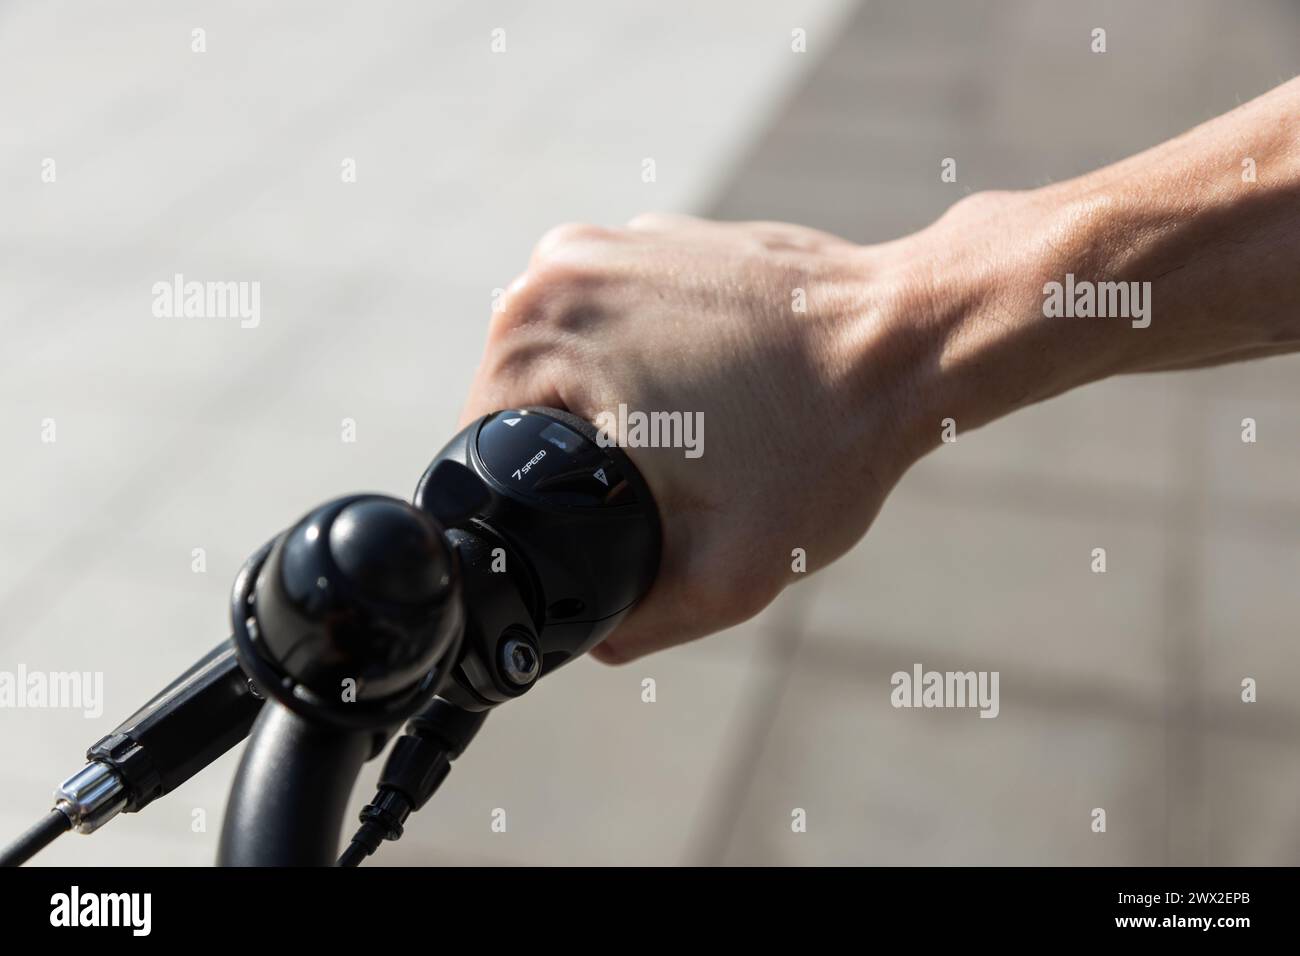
{"points": [[520, 662]]}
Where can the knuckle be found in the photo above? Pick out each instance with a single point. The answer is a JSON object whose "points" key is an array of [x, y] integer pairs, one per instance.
{"points": [[659, 220], [981, 204], [773, 238], [566, 235], [540, 295]]}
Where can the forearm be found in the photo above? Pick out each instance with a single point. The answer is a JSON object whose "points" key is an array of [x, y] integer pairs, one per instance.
{"points": [[1016, 293]]}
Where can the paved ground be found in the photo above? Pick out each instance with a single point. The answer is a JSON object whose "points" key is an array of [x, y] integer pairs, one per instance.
{"points": [[1118, 691]]}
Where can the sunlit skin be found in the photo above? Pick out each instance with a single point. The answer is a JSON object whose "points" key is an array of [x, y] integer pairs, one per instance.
{"points": [[814, 415]]}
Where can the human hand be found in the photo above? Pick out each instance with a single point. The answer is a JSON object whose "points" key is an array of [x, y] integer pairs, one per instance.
{"points": [[790, 346]]}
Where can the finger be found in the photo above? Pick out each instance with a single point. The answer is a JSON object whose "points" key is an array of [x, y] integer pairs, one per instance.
{"points": [[492, 392], [500, 383], [646, 630], [680, 606]]}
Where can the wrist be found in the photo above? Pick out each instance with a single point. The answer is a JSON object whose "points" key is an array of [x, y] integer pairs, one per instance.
{"points": [[1171, 258], [1018, 297]]}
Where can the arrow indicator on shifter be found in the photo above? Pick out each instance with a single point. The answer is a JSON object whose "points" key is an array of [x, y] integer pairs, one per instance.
{"points": [[512, 422], [600, 476]]}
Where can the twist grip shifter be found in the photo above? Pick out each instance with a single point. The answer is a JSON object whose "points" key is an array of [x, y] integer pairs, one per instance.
{"points": [[557, 536]]}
